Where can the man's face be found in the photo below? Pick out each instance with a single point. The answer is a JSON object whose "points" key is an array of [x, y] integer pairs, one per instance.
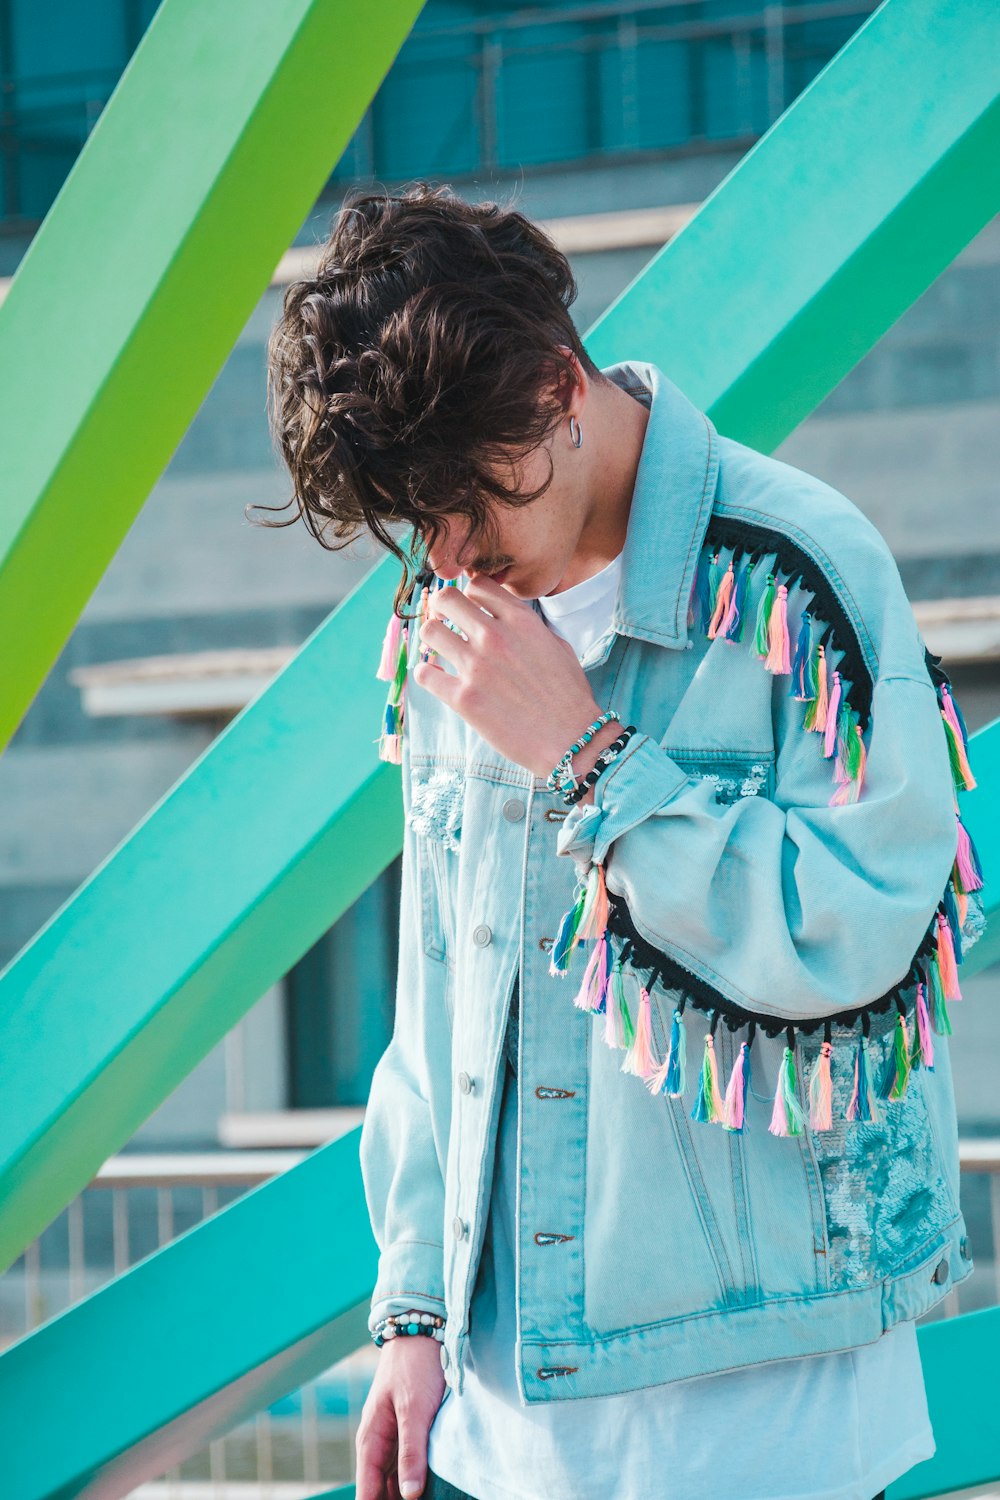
{"points": [[534, 542]]}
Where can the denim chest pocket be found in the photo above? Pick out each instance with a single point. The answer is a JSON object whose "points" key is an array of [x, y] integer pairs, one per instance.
{"points": [[437, 795], [732, 773]]}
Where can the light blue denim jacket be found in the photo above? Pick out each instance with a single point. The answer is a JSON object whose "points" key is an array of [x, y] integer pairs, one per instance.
{"points": [[737, 1132]]}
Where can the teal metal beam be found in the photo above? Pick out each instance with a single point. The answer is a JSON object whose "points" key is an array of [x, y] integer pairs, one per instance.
{"points": [[198, 174], [135, 1377], [958, 1356], [268, 838], [826, 231]]}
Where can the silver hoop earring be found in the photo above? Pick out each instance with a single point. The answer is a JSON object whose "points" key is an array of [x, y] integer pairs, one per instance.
{"points": [[577, 436]]}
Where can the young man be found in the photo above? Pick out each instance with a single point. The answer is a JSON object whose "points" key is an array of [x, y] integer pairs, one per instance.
{"points": [[672, 750]]}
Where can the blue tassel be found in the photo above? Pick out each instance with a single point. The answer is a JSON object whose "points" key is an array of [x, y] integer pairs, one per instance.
{"points": [[801, 687], [674, 1081]]}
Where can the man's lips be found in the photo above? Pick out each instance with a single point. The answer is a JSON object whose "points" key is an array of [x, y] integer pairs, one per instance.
{"points": [[499, 577]]}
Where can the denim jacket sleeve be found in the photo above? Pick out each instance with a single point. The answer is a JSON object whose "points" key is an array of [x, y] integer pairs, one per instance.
{"points": [[789, 907], [400, 1164]]}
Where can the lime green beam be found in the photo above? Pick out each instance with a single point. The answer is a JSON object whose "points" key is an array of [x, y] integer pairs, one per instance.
{"points": [[200, 171], [163, 1376], [265, 826]]}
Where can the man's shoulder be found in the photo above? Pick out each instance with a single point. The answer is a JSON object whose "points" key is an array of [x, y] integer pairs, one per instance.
{"points": [[825, 542]]}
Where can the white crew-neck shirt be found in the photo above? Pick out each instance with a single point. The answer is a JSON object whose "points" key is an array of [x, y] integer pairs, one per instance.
{"points": [[837, 1426], [582, 613]]}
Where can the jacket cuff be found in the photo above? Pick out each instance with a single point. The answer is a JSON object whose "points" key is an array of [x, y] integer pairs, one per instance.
{"points": [[410, 1274], [640, 780]]}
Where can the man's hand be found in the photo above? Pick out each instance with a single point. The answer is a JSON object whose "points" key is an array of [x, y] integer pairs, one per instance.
{"points": [[398, 1413], [518, 684]]}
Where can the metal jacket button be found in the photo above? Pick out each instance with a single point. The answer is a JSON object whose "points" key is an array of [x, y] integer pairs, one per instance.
{"points": [[481, 935], [465, 1083], [941, 1272], [458, 1227], [513, 810]]}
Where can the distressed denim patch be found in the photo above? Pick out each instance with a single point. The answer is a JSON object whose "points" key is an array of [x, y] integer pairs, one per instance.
{"points": [[436, 805], [883, 1190]]}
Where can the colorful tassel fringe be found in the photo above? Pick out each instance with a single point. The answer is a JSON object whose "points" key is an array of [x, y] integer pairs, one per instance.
{"points": [[719, 605]]}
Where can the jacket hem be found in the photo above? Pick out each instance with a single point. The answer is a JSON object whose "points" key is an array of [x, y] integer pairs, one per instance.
{"points": [[712, 1342]]}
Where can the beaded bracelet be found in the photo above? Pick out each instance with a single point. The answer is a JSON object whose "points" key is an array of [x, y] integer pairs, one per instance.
{"points": [[409, 1322], [561, 776], [608, 754]]}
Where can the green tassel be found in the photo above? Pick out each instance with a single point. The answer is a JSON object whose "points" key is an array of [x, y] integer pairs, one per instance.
{"points": [[761, 644]]}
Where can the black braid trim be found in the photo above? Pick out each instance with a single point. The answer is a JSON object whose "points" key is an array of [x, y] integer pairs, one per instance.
{"points": [[704, 997]]}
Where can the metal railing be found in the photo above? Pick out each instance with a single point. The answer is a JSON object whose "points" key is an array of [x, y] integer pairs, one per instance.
{"points": [[140, 1202]]}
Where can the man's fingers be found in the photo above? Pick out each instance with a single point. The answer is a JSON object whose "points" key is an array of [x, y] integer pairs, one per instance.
{"points": [[489, 594], [468, 608], [375, 1446], [411, 1466], [447, 643], [436, 680]]}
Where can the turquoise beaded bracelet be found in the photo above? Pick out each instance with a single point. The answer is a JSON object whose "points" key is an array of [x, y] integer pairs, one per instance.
{"points": [[410, 1322], [561, 778]]}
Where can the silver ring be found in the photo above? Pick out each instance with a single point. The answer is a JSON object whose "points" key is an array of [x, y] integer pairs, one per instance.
{"points": [[578, 435]]}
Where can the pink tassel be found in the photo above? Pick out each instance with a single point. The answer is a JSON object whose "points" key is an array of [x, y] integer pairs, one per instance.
{"points": [[734, 1104], [778, 659], [390, 649], [923, 1055], [723, 595], [821, 1090], [970, 873], [594, 984], [946, 959], [832, 715], [639, 1057]]}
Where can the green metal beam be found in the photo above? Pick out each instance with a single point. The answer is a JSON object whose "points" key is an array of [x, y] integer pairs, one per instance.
{"points": [[144, 959], [198, 174], [135, 1377]]}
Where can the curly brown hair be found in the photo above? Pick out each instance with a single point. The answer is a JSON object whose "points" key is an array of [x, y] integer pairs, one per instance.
{"points": [[425, 350]]}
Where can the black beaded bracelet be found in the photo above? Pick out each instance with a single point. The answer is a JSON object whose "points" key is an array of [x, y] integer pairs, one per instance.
{"points": [[608, 754]]}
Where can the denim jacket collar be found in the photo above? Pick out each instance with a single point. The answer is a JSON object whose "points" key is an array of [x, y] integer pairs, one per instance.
{"points": [[671, 506]]}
